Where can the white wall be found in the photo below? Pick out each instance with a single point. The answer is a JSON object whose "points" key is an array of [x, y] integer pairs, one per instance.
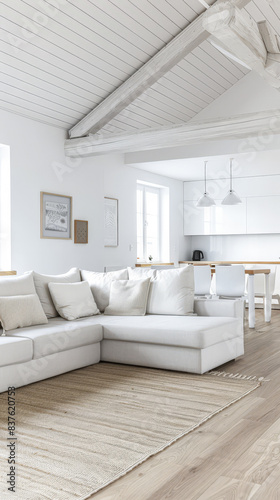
{"points": [[38, 164], [251, 94]]}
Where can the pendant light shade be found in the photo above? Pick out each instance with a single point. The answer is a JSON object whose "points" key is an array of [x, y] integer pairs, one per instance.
{"points": [[205, 200], [231, 198]]}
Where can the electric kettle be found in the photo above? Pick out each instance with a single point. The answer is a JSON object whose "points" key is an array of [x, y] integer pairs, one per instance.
{"points": [[197, 255]]}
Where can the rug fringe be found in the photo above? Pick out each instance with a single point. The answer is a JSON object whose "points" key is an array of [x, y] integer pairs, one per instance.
{"points": [[240, 376]]}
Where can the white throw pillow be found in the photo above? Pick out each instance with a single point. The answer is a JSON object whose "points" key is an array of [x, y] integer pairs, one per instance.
{"points": [[17, 285], [140, 273], [128, 298], [41, 283], [172, 292], [21, 310], [73, 300], [100, 284]]}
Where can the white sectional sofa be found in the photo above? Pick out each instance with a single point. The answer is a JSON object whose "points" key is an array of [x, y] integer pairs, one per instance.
{"points": [[195, 343], [185, 343]]}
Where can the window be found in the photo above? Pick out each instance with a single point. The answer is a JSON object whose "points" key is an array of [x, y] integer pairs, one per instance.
{"points": [[5, 209], [148, 222]]}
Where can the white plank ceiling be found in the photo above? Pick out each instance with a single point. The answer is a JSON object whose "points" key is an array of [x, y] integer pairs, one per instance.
{"points": [[60, 58]]}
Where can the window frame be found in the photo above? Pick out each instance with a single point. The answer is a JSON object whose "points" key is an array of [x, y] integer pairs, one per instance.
{"points": [[155, 190]]}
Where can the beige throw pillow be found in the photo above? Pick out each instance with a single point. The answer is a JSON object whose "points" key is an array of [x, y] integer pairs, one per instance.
{"points": [[41, 283], [17, 285], [128, 298], [19, 311], [100, 284], [73, 300]]}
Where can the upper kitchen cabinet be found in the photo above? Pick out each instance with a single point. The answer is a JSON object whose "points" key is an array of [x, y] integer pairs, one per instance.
{"points": [[262, 215], [216, 220]]}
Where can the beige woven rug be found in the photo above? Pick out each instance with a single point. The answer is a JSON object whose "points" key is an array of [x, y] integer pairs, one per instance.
{"points": [[78, 432]]}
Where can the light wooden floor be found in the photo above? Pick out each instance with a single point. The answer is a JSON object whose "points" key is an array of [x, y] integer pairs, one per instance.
{"points": [[236, 454]]}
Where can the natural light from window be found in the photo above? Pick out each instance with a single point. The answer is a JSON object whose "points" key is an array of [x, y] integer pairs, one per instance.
{"points": [[5, 209], [152, 201]]}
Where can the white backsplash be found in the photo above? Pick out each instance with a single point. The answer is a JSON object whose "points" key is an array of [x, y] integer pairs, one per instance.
{"points": [[238, 247]]}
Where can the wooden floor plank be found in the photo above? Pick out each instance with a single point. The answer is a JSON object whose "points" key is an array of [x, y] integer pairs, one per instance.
{"points": [[232, 456], [270, 490], [225, 488], [260, 459]]}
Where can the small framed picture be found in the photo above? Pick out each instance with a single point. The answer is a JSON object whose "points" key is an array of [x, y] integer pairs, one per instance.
{"points": [[56, 216], [81, 231], [110, 222]]}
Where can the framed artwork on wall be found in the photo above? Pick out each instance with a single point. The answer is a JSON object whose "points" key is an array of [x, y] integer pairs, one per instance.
{"points": [[81, 231], [110, 222], [56, 216]]}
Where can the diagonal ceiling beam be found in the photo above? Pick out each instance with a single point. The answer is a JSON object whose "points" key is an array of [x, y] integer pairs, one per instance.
{"points": [[146, 76], [247, 125]]}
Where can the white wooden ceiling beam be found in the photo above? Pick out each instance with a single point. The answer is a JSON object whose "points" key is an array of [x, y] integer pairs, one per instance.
{"points": [[236, 32], [179, 135], [253, 44], [269, 37], [271, 41], [146, 76]]}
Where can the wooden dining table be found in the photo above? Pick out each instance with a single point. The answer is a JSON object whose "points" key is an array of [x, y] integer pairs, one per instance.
{"points": [[251, 295]]}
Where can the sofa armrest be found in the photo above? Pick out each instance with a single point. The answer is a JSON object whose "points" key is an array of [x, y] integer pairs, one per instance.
{"points": [[219, 307]]}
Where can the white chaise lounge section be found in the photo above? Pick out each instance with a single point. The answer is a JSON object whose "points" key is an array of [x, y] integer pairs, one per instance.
{"points": [[194, 344]]}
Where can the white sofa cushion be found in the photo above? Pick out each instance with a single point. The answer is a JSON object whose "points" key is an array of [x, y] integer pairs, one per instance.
{"points": [[21, 310], [15, 350], [181, 331], [172, 292], [41, 284], [60, 335], [17, 285], [73, 300], [128, 297], [139, 273], [100, 284]]}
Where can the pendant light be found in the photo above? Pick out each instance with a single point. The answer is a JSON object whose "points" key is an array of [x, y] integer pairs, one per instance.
{"points": [[231, 198], [205, 200]]}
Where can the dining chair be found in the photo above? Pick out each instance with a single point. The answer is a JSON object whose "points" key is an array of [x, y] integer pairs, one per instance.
{"points": [[230, 281], [202, 281]]}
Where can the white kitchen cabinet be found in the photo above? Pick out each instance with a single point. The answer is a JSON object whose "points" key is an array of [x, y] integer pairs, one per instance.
{"points": [[263, 215], [196, 219], [230, 219], [216, 220]]}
